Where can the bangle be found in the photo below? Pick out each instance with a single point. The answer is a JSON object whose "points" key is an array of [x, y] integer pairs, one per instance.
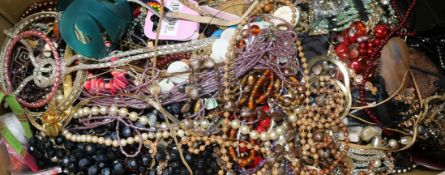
{"points": [[56, 70]]}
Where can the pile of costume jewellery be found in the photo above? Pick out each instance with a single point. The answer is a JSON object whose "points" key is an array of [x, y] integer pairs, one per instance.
{"points": [[221, 87]]}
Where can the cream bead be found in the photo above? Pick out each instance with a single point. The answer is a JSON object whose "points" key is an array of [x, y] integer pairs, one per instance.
{"points": [[69, 136], [130, 140], [103, 110], [292, 118], [78, 138], [133, 116], [195, 123], [143, 120], [76, 115], [80, 113], [123, 142], [163, 126], [204, 124], [244, 129], [166, 134], [108, 142], [94, 110], [83, 138], [88, 138], [86, 111], [263, 136], [113, 110], [405, 140], [267, 144], [74, 138], [64, 132], [137, 138], [158, 135], [101, 140], [273, 135], [180, 133], [59, 98], [123, 112], [144, 136], [235, 124], [279, 130], [115, 143], [94, 139], [392, 143], [151, 135], [377, 163], [253, 135]]}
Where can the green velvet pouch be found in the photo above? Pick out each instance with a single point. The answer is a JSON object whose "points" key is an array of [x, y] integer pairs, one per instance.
{"points": [[86, 25]]}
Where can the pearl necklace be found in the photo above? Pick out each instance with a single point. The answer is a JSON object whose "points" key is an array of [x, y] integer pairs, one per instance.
{"points": [[162, 131]]}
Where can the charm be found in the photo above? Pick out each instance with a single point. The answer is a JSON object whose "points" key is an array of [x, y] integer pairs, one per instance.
{"points": [[285, 13], [166, 86], [211, 103], [176, 69], [219, 50], [52, 120]]}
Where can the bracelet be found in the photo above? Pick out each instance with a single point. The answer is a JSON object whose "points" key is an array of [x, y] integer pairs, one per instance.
{"points": [[56, 70]]}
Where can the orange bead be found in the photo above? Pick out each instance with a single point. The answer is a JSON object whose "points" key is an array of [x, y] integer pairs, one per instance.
{"points": [[255, 29], [242, 162], [241, 44], [251, 103]]}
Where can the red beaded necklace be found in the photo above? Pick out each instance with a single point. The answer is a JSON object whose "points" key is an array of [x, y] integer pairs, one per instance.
{"points": [[361, 52], [376, 54]]}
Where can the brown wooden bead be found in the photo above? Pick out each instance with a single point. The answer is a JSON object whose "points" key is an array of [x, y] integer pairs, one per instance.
{"points": [[267, 8]]}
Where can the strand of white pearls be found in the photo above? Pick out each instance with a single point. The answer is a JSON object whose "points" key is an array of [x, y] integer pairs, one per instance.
{"points": [[115, 111], [133, 116], [123, 141], [161, 133], [269, 135]]}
